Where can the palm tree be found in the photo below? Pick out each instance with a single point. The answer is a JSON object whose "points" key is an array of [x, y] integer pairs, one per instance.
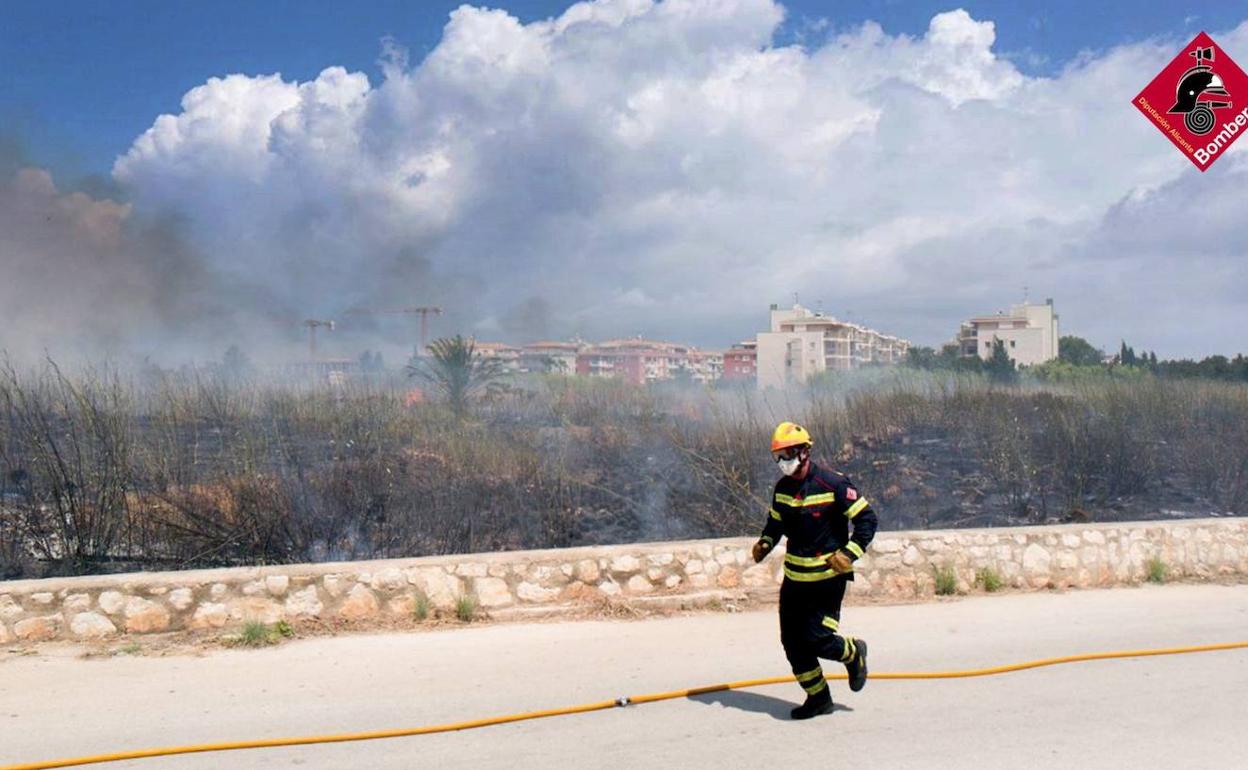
{"points": [[455, 370]]}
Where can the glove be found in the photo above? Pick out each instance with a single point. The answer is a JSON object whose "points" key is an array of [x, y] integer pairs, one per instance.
{"points": [[760, 550], [840, 562]]}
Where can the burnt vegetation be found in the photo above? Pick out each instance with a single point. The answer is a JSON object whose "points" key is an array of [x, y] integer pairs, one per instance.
{"points": [[101, 471]]}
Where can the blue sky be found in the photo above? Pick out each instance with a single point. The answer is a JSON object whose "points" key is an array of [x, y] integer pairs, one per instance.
{"points": [[80, 80]]}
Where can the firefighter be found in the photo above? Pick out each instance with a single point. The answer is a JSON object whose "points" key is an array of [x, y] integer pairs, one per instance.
{"points": [[815, 508]]}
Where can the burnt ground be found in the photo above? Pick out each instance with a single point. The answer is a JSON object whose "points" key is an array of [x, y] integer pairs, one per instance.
{"points": [[321, 494], [934, 480]]}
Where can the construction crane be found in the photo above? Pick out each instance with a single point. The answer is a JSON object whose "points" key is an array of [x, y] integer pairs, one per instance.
{"points": [[424, 312], [314, 324]]}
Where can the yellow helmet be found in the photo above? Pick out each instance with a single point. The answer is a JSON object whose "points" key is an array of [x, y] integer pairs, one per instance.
{"points": [[789, 434]]}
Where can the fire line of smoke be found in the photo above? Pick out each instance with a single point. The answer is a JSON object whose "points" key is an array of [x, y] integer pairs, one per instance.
{"points": [[87, 278]]}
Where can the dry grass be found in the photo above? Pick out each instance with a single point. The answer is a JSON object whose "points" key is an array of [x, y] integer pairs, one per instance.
{"points": [[102, 472]]}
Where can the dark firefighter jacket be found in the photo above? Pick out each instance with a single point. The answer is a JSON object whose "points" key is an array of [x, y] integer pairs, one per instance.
{"points": [[815, 514]]}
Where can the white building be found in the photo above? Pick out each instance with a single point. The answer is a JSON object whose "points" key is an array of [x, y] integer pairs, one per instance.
{"points": [[550, 357], [1028, 331], [802, 343], [705, 366], [508, 356]]}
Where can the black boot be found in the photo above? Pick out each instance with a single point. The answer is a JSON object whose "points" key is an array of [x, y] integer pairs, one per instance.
{"points": [[819, 703], [857, 667]]}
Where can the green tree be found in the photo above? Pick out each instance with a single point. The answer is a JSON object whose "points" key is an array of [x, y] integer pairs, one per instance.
{"points": [[951, 357], [1126, 355], [1216, 367], [1000, 367], [1240, 367], [1078, 351], [457, 373], [920, 357]]}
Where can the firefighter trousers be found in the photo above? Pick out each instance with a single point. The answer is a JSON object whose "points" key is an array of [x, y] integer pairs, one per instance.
{"points": [[810, 622]]}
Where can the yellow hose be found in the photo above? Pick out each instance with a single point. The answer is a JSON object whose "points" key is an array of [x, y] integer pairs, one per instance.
{"points": [[599, 706]]}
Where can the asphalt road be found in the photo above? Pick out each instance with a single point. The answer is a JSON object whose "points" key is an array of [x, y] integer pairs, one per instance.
{"points": [[1184, 711]]}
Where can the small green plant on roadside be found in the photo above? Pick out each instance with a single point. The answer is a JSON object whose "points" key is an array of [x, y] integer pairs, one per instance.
{"points": [[420, 609], [258, 634], [988, 579], [1156, 570], [255, 634], [131, 648], [946, 581], [466, 608]]}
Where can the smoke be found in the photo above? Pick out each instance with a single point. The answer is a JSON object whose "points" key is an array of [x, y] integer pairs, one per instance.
{"points": [[83, 277]]}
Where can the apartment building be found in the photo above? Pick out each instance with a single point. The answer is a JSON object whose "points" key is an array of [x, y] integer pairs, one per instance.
{"points": [[741, 361], [634, 360], [508, 356], [704, 366], [1029, 332], [642, 361], [802, 343], [550, 357]]}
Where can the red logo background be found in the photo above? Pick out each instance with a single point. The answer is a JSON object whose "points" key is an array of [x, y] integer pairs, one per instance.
{"points": [[1160, 95]]}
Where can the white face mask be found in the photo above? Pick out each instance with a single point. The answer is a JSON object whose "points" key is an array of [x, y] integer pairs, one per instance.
{"points": [[789, 467]]}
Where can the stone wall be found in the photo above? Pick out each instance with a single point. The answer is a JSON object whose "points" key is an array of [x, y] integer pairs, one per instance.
{"points": [[899, 566]]}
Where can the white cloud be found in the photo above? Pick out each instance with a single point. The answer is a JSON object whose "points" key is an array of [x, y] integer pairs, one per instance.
{"points": [[666, 169]]}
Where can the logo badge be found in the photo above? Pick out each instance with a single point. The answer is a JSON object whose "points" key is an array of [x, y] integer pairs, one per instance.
{"points": [[1199, 101]]}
